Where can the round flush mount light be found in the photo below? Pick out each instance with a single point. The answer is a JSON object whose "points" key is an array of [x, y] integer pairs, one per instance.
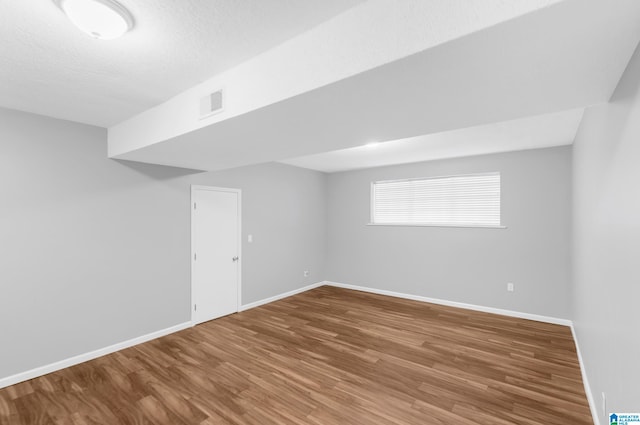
{"points": [[103, 19]]}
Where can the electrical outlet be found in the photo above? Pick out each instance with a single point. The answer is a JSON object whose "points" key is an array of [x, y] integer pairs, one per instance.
{"points": [[510, 287], [306, 273]]}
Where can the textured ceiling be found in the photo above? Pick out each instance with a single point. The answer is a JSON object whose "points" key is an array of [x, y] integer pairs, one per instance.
{"points": [[505, 72], [367, 36], [49, 67]]}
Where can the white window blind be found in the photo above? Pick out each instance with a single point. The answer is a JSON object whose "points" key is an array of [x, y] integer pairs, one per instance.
{"points": [[465, 200]]}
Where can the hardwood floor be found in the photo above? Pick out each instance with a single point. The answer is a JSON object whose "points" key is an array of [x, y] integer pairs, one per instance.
{"points": [[326, 356]]}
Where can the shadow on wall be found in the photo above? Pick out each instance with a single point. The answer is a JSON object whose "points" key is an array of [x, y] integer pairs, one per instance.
{"points": [[157, 172], [629, 92], [623, 96]]}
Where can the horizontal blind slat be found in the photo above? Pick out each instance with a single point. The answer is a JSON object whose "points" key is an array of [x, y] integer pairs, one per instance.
{"points": [[456, 200]]}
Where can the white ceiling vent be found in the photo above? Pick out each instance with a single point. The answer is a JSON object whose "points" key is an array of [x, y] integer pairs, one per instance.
{"points": [[211, 104]]}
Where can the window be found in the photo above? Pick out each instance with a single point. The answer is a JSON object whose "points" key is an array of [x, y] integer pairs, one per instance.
{"points": [[467, 200]]}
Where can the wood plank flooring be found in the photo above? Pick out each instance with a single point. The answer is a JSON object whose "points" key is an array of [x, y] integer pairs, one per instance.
{"points": [[326, 356]]}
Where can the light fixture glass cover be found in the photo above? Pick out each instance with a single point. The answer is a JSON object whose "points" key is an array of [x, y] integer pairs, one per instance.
{"points": [[103, 19]]}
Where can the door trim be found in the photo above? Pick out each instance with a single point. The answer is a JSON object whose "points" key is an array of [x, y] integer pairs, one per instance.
{"points": [[192, 209]]}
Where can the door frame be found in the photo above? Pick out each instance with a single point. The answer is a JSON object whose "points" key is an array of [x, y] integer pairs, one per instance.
{"points": [[194, 188]]}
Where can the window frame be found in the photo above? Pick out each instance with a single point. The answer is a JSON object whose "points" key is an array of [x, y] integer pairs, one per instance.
{"points": [[472, 226]]}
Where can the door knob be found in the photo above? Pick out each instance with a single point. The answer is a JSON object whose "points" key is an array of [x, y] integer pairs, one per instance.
{"points": [[235, 258]]}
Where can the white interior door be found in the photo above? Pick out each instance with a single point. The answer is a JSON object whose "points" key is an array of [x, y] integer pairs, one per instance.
{"points": [[215, 238]]}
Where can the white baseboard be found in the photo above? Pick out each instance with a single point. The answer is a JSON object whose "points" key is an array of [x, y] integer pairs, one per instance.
{"points": [[493, 310], [585, 380], [280, 296], [81, 358]]}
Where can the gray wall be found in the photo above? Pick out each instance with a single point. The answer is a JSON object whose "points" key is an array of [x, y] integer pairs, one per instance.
{"points": [[95, 251], [470, 265], [606, 245], [284, 208]]}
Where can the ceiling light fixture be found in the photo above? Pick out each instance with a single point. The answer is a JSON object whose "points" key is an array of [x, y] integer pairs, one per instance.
{"points": [[103, 19]]}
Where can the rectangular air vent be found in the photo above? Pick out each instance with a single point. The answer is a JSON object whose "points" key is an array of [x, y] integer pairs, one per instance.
{"points": [[211, 104]]}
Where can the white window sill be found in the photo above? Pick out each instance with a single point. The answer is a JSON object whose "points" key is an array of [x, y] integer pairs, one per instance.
{"points": [[437, 225]]}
